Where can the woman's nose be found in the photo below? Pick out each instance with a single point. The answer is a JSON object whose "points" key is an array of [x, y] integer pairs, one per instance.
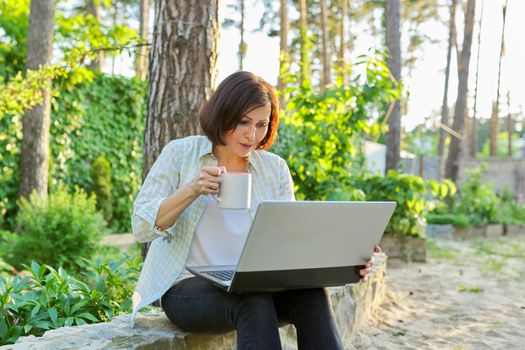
{"points": [[251, 133]]}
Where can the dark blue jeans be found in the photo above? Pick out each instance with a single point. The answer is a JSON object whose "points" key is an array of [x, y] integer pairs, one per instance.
{"points": [[197, 306]]}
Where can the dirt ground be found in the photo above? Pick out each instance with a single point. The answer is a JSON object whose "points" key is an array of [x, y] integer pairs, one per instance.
{"points": [[469, 295]]}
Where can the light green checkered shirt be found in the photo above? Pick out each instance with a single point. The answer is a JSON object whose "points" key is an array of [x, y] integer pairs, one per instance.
{"points": [[179, 163]]}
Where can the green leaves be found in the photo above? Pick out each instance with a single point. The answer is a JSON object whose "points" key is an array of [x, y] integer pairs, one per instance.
{"points": [[320, 134], [56, 231], [52, 298]]}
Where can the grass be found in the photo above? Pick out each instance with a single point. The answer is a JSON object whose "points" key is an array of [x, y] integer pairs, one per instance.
{"points": [[440, 252], [499, 248], [495, 254], [463, 288]]}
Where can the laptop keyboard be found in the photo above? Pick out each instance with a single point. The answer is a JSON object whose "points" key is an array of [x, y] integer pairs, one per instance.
{"points": [[223, 275]]}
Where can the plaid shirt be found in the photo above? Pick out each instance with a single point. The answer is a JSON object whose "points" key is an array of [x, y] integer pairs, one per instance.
{"points": [[179, 163]]}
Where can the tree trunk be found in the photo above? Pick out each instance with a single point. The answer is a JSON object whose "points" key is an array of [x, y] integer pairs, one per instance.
{"points": [[474, 115], [451, 168], [242, 45], [393, 38], [141, 68], [182, 72], [94, 10], [305, 61], [283, 46], [34, 162], [509, 126], [324, 43], [343, 47], [115, 20], [444, 105], [494, 122]]}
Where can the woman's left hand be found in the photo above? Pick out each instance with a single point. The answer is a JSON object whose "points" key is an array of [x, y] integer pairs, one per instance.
{"points": [[368, 266]]}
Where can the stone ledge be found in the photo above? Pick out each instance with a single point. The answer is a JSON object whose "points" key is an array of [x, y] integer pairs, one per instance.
{"points": [[352, 305]]}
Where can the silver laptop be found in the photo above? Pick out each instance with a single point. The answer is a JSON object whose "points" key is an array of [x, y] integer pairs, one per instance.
{"points": [[303, 244]]}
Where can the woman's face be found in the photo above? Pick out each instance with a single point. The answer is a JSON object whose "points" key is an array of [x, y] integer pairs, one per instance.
{"points": [[250, 131]]}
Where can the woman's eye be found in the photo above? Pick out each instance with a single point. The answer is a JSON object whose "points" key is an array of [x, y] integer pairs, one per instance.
{"points": [[263, 125], [244, 122]]}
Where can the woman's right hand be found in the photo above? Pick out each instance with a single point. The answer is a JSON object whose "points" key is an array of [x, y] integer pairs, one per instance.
{"points": [[208, 180]]}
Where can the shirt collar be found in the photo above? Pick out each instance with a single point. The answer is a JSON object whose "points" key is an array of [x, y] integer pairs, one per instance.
{"points": [[207, 147]]}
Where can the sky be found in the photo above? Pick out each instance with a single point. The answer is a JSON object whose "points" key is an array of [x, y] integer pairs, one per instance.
{"points": [[425, 84]]}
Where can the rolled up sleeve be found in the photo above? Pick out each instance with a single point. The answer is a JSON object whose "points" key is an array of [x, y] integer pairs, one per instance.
{"points": [[161, 182]]}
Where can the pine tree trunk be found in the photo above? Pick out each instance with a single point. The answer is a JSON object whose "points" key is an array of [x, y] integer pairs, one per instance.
{"points": [[444, 105], [94, 10], [141, 68], [115, 20], [474, 115], [509, 127], [343, 47], [393, 38], [242, 45], [34, 162], [451, 168], [494, 120], [324, 44], [283, 45], [305, 61], [182, 72]]}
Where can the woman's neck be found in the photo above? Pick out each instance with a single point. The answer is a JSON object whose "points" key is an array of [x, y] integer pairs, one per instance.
{"points": [[229, 160]]}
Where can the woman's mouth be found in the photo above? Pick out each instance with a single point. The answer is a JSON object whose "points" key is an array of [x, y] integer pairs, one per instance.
{"points": [[245, 146]]}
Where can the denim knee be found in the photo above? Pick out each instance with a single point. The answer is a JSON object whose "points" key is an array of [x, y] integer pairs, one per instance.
{"points": [[258, 305]]}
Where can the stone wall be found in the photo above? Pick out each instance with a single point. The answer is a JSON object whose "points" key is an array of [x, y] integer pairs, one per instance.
{"points": [[501, 173], [352, 306]]}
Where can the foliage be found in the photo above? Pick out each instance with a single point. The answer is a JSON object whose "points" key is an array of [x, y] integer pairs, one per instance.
{"points": [[510, 211], [318, 132], [14, 17], [10, 144], [5, 268], [21, 93], [74, 30], [476, 200], [102, 117], [407, 191], [102, 187], [456, 220], [50, 298], [77, 39], [57, 230]]}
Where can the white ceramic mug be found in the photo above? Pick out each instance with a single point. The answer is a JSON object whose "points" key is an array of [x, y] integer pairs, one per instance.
{"points": [[235, 191]]}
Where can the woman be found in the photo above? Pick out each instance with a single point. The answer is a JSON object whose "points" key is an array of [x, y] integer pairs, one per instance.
{"points": [[173, 209]]}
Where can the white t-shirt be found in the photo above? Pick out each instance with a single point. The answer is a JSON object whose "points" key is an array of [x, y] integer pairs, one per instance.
{"points": [[219, 237]]}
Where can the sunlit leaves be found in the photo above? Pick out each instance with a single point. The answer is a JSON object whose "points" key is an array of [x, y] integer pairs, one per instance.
{"points": [[320, 133], [51, 298]]}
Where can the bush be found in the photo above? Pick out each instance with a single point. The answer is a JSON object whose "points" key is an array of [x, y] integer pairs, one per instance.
{"points": [[56, 231], [510, 211], [456, 220], [476, 200], [102, 187], [51, 298], [319, 133], [406, 190]]}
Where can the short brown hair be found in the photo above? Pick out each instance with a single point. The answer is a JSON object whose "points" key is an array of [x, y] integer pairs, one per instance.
{"points": [[235, 96]]}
